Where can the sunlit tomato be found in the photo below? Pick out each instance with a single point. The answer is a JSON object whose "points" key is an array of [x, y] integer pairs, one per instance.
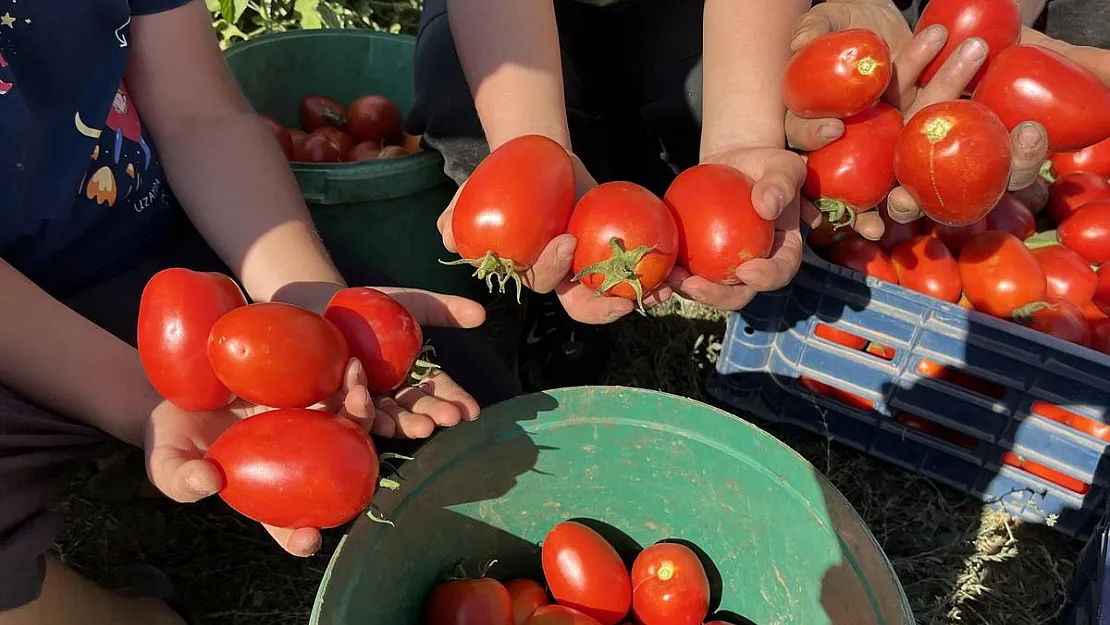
{"points": [[318, 111], [865, 257], [1000, 274], [1061, 319], [381, 333], [848, 399], [838, 75], [1010, 215], [669, 586], [297, 138], [342, 141], [296, 468], [855, 172], [1094, 159], [718, 228], [627, 240], [584, 572], [282, 136], [1101, 297], [925, 265], [954, 237], [318, 148], [954, 160], [840, 337], [176, 313], [375, 118], [1071, 191], [881, 351], [826, 236], [896, 232], [965, 303], [469, 602], [1100, 335], [1069, 277], [1035, 196], [365, 151], [560, 615], [1032, 83], [527, 596], [997, 22], [392, 151], [1087, 231], [517, 200], [278, 355], [1047, 474]]}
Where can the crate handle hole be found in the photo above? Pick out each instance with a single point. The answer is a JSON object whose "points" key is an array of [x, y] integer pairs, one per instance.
{"points": [[749, 330], [962, 379], [935, 430]]}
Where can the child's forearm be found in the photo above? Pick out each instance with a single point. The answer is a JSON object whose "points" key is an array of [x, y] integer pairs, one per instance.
{"points": [[67, 364], [1031, 10], [511, 56], [747, 45]]}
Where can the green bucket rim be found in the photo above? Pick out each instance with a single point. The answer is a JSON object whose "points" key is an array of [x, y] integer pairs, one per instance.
{"points": [[457, 440]]}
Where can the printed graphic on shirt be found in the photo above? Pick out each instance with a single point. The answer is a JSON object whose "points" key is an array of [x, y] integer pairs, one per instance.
{"points": [[123, 134], [5, 86]]}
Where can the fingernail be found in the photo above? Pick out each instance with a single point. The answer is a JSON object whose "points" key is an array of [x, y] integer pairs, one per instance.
{"points": [[772, 200], [1028, 136], [935, 34], [973, 50], [830, 130], [314, 546], [197, 486]]}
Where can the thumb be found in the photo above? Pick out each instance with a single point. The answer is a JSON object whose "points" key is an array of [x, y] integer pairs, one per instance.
{"points": [[435, 309], [181, 479], [820, 20]]}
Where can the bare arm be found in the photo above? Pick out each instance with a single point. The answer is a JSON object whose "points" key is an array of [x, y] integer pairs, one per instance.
{"points": [[221, 161], [1031, 10], [67, 364]]}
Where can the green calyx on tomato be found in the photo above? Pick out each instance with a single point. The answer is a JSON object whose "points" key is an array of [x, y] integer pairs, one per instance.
{"points": [[840, 214], [1024, 315], [492, 266], [1047, 238], [619, 268], [1047, 172]]}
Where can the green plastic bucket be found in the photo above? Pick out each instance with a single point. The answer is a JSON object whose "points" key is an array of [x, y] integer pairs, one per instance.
{"points": [[378, 214], [787, 546]]}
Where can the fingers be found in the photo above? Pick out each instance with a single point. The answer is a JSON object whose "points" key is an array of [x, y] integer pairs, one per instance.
{"points": [[902, 207], [435, 309], [777, 188], [910, 62], [1029, 147], [820, 20], [1035, 196], [811, 134], [183, 480], [953, 77], [301, 542], [441, 399], [870, 225], [585, 306], [715, 295], [552, 266], [406, 424], [811, 216], [771, 274], [444, 222]]}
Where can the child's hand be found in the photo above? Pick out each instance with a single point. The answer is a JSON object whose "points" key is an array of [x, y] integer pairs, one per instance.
{"points": [[779, 175]]}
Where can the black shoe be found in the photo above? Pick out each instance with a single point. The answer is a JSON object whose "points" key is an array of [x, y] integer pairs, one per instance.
{"points": [[556, 351]]}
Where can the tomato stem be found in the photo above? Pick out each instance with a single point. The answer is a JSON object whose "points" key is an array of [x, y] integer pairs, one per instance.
{"points": [[937, 129], [1024, 315], [1047, 173], [423, 366], [619, 268], [492, 266], [376, 516], [840, 214], [867, 66], [389, 484]]}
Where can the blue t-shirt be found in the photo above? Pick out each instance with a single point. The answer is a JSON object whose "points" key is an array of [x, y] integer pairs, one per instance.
{"points": [[82, 192]]}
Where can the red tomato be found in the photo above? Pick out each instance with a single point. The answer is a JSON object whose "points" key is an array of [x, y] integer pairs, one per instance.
{"points": [[838, 75], [393, 151], [627, 240], [279, 132], [865, 257], [297, 138], [176, 312], [365, 151], [895, 232], [1069, 277], [1071, 191], [278, 355], [1101, 297], [1100, 335], [954, 237], [965, 303], [469, 602], [924, 265], [318, 111], [670, 586], [1061, 319], [1094, 159], [342, 141], [826, 236], [1046, 473], [855, 172], [840, 337], [997, 22], [296, 468], [848, 399], [585, 572], [560, 615], [527, 596], [375, 118], [1000, 274], [1010, 215], [718, 228], [517, 200], [381, 333], [318, 148], [1093, 313], [1088, 232], [954, 160], [1031, 83]]}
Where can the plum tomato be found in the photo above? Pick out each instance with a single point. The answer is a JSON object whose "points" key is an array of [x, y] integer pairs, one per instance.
{"points": [[318, 111], [627, 241], [318, 148], [296, 468], [584, 572], [365, 151], [925, 265], [669, 586], [527, 597], [278, 355], [895, 232], [954, 237], [1087, 231], [1101, 297], [282, 136], [825, 236], [1093, 159], [954, 160], [1071, 191], [1010, 215], [342, 141], [1062, 319], [1069, 277], [840, 337], [718, 228], [855, 172], [1000, 275], [865, 257], [375, 118], [177, 310], [997, 22], [838, 75], [381, 333], [297, 138], [518, 199], [560, 615], [1093, 313], [1032, 83], [482, 601], [1100, 335]]}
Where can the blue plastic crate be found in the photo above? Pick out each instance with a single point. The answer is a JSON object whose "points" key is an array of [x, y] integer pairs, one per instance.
{"points": [[1088, 600], [1023, 379]]}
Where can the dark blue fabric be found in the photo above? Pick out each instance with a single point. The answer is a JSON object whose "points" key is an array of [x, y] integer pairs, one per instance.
{"points": [[81, 189]]}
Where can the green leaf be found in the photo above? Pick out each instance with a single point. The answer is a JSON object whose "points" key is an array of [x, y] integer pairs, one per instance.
{"points": [[227, 10], [240, 8], [213, 6], [308, 13]]}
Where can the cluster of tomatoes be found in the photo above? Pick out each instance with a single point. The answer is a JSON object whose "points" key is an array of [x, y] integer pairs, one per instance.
{"points": [[370, 128], [590, 584], [202, 346], [978, 245]]}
